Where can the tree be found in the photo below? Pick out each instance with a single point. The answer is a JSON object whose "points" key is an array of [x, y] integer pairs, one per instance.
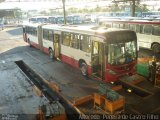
{"points": [[2, 1], [98, 9], [144, 8], [115, 8], [17, 13], [72, 10], [43, 12]]}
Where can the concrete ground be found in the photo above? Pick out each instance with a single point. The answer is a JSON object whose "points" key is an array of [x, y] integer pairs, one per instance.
{"points": [[70, 80], [17, 95]]}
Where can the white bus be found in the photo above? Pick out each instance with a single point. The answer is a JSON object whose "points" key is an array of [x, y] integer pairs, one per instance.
{"points": [[106, 54], [148, 32], [39, 19]]}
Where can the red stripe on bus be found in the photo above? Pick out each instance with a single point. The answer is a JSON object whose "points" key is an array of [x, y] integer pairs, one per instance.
{"points": [[74, 63], [89, 70], [34, 44], [46, 50], [70, 61]]}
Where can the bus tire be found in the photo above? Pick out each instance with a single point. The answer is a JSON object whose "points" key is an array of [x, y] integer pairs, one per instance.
{"points": [[156, 48], [51, 53], [84, 69]]}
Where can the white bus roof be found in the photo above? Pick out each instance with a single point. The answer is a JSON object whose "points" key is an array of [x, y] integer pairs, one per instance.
{"points": [[81, 29], [113, 34]]}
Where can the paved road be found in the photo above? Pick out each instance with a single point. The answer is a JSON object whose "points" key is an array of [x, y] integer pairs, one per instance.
{"points": [[17, 96], [70, 80]]}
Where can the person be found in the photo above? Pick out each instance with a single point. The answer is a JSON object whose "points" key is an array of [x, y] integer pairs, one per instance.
{"points": [[152, 70], [128, 56]]}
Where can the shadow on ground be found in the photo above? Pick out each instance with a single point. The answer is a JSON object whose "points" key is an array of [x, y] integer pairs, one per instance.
{"points": [[17, 31]]}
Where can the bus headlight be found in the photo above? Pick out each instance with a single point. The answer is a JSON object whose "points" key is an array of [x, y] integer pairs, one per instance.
{"points": [[122, 60], [112, 72]]}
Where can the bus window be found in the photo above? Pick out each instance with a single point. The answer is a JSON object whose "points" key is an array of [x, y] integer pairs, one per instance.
{"points": [[108, 25], [121, 25], [50, 36], [56, 38], [85, 44], [34, 32], [45, 34], [75, 41], [139, 28], [126, 26], [28, 30], [147, 29], [95, 49], [156, 30], [121, 53], [132, 27], [66, 39], [115, 25], [71, 40]]}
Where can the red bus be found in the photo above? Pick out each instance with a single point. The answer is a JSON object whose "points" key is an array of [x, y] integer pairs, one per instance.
{"points": [[106, 54]]}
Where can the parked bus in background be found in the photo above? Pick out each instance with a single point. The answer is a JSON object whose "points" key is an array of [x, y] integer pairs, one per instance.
{"points": [[148, 32], [106, 54], [52, 19], [74, 19], [77, 19], [60, 20], [39, 19]]}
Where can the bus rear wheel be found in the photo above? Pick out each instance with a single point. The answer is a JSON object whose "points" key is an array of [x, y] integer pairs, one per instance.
{"points": [[156, 48], [50, 53], [84, 69]]}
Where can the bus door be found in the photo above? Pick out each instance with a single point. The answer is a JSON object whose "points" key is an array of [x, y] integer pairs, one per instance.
{"points": [[56, 45], [98, 59]]}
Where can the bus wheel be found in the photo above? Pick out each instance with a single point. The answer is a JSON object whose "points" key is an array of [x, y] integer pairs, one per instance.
{"points": [[50, 53], [84, 68], [156, 48]]}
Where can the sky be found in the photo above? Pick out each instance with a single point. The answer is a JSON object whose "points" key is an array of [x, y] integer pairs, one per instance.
{"points": [[28, 5], [44, 5], [10, 4]]}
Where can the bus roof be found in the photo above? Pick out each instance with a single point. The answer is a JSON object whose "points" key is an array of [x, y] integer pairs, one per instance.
{"points": [[132, 21], [109, 35], [113, 34], [88, 29]]}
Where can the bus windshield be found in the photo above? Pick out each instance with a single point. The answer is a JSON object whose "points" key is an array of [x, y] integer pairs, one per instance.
{"points": [[121, 53]]}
